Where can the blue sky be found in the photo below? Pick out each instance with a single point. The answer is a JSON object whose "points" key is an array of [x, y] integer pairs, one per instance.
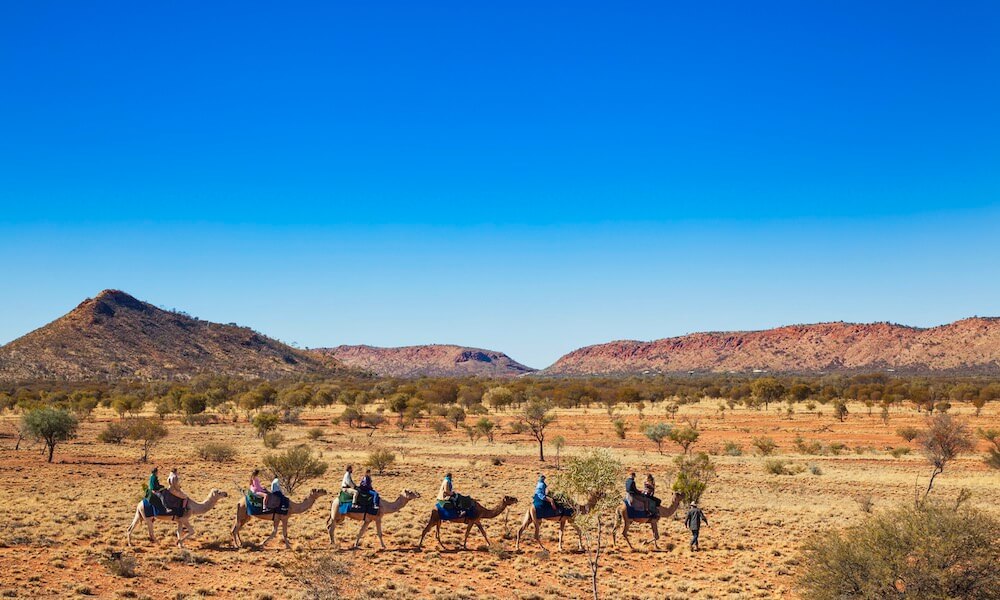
{"points": [[520, 177]]}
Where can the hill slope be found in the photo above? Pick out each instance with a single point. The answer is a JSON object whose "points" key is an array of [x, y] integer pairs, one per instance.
{"points": [[434, 360], [966, 346], [115, 336]]}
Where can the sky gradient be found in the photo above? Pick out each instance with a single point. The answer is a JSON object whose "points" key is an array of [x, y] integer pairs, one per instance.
{"points": [[524, 178]]}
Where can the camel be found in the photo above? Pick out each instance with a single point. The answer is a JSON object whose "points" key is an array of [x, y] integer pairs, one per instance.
{"points": [[621, 516], [531, 517], [294, 508], [384, 508], [184, 528], [481, 513]]}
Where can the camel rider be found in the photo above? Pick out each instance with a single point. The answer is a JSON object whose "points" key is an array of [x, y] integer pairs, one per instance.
{"points": [[154, 483], [542, 494], [174, 487], [347, 485], [276, 486], [649, 490], [256, 488], [365, 486], [632, 493], [447, 489]]}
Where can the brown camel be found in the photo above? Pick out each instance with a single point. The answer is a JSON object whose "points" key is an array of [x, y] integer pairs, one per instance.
{"points": [[481, 513], [384, 508], [294, 508], [621, 516], [531, 517], [184, 528]]}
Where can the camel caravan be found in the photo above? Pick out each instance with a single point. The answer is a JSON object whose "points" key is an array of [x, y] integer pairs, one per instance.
{"points": [[360, 502]]}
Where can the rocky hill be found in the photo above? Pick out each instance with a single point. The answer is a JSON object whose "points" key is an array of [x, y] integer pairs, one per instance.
{"points": [[115, 336], [435, 360], [966, 346]]}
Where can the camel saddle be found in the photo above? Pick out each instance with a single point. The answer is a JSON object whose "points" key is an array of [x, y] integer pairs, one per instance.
{"points": [[456, 507], [277, 503], [544, 510], [162, 503], [366, 504]]}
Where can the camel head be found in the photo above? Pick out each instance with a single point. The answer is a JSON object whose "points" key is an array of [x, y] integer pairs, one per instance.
{"points": [[509, 500], [217, 493], [317, 492], [410, 494]]}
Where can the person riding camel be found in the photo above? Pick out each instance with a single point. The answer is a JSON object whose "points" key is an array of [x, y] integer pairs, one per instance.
{"points": [[542, 494], [632, 493], [154, 483], [174, 487], [447, 490], [649, 490], [365, 487], [348, 486], [256, 488]]}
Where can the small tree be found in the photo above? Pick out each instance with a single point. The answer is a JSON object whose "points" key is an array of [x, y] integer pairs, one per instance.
{"points": [[51, 425], [265, 423], [684, 437], [594, 475], [621, 426], [148, 431], [908, 433], [456, 414], [537, 416], [380, 459], [767, 390], [765, 445], [113, 433], [294, 467], [993, 454], [658, 433], [486, 428], [693, 475], [558, 443], [840, 410], [473, 432], [351, 416], [440, 427], [942, 442], [498, 398]]}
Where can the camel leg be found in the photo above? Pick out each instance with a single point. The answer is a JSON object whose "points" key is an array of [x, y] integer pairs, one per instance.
{"points": [[135, 521], [524, 525], [378, 530], [331, 528], [465, 540], [430, 523], [188, 532], [437, 534], [656, 534], [149, 526], [579, 534], [361, 532], [614, 529], [274, 532], [284, 533], [562, 530], [625, 524], [482, 530], [538, 534]]}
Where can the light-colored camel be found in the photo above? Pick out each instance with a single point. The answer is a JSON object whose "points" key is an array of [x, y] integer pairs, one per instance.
{"points": [[621, 516], [384, 508], [294, 508], [531, 518], [184, 528], [481, 513]]}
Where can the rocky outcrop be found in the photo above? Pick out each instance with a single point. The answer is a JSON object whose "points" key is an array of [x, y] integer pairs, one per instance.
{"points": [[433, 360]]}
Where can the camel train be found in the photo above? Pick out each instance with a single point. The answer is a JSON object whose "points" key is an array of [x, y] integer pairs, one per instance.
{"points": [[278, 508]]}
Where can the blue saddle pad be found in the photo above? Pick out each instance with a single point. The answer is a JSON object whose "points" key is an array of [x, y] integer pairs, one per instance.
{"points": [[150, 509], [634, 513], [346, 507], [254, 507], [544, 510], [448, 512]]}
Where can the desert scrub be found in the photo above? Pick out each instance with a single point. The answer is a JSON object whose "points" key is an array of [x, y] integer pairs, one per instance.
{"points": [[315, 433], [121, 565], [732, 449], [273, 439], [216, 452], [780, 466]]}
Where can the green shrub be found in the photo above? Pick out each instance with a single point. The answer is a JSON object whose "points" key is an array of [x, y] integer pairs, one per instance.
{"points": [[216, 452], [273, 440], [780, 466], [765, 445], [294, 467], [265, 423], [693, 475], [899, 452], [315, 433], [114, 432], [732, 449], [380, 459]]}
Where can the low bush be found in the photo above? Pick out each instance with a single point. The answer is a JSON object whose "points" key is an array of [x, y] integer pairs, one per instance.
{"points": [[732, 449], [315, 433], [121, 565], [779, 466], [114, 432], [899, 452], [380, 459], [216, 452], [273, 439], [765, 445]]}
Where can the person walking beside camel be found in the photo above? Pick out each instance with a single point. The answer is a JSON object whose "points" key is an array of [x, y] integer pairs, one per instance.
{"points": [[695, 517]]}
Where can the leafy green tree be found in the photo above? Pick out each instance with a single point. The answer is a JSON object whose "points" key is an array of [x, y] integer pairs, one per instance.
{"points": [[767, 390], [621, 427], [658, 433], [266, 422], [536, 417], [149, 432], [51, 425], [351, 416], [194, 404], [684, 437], [380, 459], [499, 398], [440, 427], [594, 475], [944, 439], [693, 476], [487, 428], [456, 414], [294, 467], [558, 443]]}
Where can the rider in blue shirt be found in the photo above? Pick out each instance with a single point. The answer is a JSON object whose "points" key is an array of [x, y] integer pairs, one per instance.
{"points": [[541, 493]]}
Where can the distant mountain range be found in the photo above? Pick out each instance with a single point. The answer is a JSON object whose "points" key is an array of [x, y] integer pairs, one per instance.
{"points": [[115, 336], [433, 360], [966, 346]]}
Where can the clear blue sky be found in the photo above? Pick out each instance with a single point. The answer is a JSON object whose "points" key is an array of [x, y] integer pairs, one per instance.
{"points": [[522, 177]]}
